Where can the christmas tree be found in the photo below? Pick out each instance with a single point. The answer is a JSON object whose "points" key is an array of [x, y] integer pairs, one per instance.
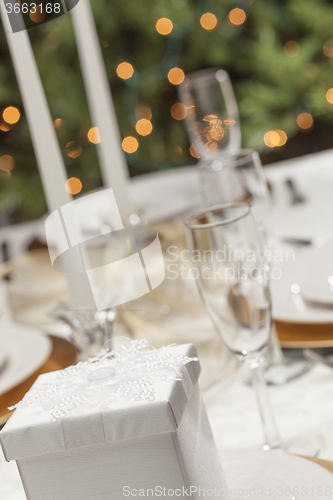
{"points": [[279, 55]]}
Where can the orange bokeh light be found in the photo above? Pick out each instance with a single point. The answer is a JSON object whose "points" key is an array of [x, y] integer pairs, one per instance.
{"points": [[178, 111], [291, 49], [329, 96], [237, 16], [208, 21], [38, 16], [73, 149], [176, 76], [143, 127], [130, 144], [143, 111], [164, 26], [93, 135], [58, 123], [328, 48], [304, 121], [193, 151], [73, 185], [125, 70], [11, 115], [6, 163]]}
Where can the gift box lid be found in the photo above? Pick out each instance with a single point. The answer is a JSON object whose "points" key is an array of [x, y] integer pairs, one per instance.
{"points": [[148, 405]]}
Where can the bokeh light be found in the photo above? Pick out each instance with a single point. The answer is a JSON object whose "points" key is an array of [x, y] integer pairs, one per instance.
{"points": [[272, 139], [193, 151], [283, 137], [58, 123], [329, 96], [237, 16], [208, 21], [39, 15], [144, 127], [328, 48], [93, 135], [304, 121], [11, 115], [5, 126], [73, 185], [291, 48], [164, 26], [178, 111], [7, 163], [176, 76], [143, 111], [125, 70], [73, 149], [130, 144]]}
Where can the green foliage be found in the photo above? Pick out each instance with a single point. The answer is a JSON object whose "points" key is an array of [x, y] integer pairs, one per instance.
{"points": [[271, 87]]}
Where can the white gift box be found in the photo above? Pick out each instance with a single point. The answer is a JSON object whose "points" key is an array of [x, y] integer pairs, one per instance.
{"points": [[157, 448]]}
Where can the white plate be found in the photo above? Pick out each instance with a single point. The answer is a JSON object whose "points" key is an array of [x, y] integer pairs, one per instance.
{"points": [[27, 351], [274, 475], [316, 279], [287, 301]]}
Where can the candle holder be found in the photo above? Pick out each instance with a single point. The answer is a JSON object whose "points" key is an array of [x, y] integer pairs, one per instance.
{"points": [[89, 328]]}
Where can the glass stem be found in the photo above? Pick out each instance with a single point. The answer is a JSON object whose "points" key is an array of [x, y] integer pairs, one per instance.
{"points": [[278, 356], [272, 436]]}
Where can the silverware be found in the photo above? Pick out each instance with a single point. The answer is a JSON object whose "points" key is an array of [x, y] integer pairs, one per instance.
{"points": [[296, 196], [297, 241], [318, 355]]}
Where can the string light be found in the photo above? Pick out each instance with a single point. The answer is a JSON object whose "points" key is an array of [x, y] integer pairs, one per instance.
{"points": [[208, 21], [38, 16], [73, 149], [143, 111], [58, 123], [164, 26], [237, 16], [5, 127], [283, 137], [193, 151], [304, 121], [328, 48], [73, 185], [7, 163], [130, 144], [291, 48], [93, 135], [144, 127], [329, 96], [176, 76], [125, 70], [178, 111], [11, 115]]}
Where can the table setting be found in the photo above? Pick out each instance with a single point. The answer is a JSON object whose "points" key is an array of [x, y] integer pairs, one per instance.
{"points": [[169, 333]]}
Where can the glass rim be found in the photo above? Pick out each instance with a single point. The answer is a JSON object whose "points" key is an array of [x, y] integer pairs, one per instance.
{"points": [[231, 160], [205, 74], [222, 206]]}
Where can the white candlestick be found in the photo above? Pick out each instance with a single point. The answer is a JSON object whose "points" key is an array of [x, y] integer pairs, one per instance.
{"points": [[111, 156], [48, 154]]}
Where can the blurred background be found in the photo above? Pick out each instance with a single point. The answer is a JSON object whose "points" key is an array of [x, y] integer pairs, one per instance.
{"points": [[279, 55]]}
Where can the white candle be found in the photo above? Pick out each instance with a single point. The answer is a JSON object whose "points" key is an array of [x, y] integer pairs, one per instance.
{"points": [[48, 154], [111, 156]]}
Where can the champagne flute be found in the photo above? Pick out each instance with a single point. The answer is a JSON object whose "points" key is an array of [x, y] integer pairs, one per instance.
{"points": [[233, 280], [212, 119], [239, 176]]}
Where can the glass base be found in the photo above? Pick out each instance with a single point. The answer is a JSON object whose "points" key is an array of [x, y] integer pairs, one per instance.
{"points": [[289, 368]]}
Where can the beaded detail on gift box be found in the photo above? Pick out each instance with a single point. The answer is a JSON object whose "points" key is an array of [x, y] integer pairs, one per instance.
{"points": [[128, 372]]}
